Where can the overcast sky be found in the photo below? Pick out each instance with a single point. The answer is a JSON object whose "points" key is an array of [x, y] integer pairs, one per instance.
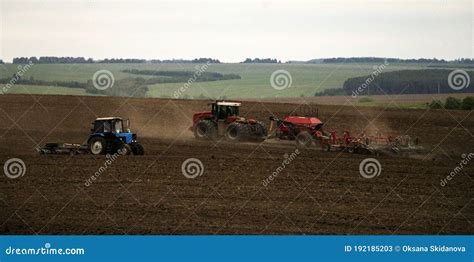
{"points": [[234, 30]]}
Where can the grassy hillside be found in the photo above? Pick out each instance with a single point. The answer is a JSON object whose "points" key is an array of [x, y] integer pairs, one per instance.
{"points": [[255, 83]]}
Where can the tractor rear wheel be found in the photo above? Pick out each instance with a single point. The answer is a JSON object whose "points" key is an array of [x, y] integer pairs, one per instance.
{"points": [[304, 140], [205, 129], [137, 149], [97, 146], [261, 132], [237, 132]]}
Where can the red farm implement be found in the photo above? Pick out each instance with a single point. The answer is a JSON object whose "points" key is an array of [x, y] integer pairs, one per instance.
{"points": [[308, 131]]}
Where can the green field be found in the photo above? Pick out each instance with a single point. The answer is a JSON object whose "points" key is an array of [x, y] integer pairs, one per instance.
{"points": [[307, 79]]}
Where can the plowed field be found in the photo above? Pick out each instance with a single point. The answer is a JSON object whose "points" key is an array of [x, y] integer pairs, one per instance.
{"points": [[316, 193]]}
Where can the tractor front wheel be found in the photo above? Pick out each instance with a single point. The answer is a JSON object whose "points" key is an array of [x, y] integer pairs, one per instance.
{"points": [[137, 149], [205, 129], [124, 150], [97, 146]]}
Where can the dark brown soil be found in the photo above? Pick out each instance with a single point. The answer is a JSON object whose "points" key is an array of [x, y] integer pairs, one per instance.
{"points": [[317, 193]]}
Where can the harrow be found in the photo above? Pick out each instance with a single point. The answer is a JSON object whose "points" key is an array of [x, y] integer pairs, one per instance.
{"points": [[307, 131], [367, 144]]}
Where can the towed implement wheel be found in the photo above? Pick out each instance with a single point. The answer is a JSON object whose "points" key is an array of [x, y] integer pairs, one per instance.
{"points": [[304, 140], [137, 149], [364, 151], [327, 148], [97, 146], [205, 129]]}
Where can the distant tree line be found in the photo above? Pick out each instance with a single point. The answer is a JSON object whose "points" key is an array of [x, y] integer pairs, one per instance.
{"points": [[52, 60], [129, 87], [454, 103], [32, 81], [121, 61], [380, 60], [180, 76], [427, 81], [205, 60], [262, 60], [389, 60], [453, 65], [157, 61], [331, 92], [1, 61], [82, 60], [132, 87]]}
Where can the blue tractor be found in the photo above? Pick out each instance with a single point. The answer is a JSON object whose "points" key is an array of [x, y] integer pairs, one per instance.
{"points": [[109, 135]]}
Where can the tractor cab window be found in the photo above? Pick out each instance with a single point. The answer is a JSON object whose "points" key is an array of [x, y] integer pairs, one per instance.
{"points": [[215, 110], [222, 112], [99, 127], [218, 111], [118, 127], [107, 127], [232, 111]]}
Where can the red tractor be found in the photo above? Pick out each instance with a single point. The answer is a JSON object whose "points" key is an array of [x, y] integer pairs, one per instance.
{"points": [[224, 120], [305, 130]]}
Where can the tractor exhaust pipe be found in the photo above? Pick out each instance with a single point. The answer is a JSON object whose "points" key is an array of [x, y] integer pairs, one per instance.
{"points": [[272, 125]]}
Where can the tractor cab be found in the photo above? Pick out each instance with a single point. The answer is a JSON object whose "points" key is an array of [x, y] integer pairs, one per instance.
{"points": [[109, 134], [109, 125], [223, 110], [113, 126]]}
